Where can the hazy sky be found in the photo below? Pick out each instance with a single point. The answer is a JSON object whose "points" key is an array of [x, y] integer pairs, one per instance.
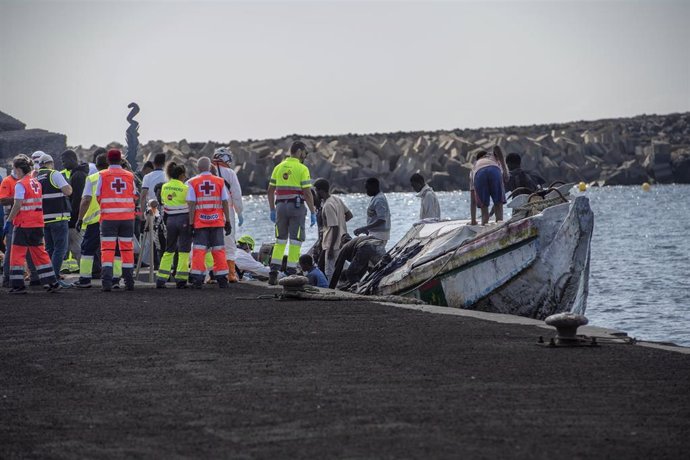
{"points": [[231, 70]]}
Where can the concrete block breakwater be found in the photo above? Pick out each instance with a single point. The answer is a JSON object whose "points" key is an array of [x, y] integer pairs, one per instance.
{"points": [[622, 151]]}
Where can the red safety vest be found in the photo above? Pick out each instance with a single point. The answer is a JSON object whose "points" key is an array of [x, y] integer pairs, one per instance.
{"points": [[117, 194], [208, 190], [31, 211]]}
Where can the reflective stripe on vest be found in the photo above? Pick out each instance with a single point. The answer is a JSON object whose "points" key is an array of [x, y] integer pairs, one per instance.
{"points": [[56, 206], [174, 197], [30, 212], [208, 190], [116, 196], [93, 214], [287, 179]]}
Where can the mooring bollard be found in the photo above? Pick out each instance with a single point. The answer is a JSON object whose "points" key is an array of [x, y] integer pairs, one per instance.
{"points": [[566, 325]]}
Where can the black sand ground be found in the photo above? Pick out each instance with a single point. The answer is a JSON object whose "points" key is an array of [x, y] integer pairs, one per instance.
{"points": [[186, 374]]}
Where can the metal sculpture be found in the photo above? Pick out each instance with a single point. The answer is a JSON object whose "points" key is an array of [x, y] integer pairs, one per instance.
{"points": [[132, 135]]}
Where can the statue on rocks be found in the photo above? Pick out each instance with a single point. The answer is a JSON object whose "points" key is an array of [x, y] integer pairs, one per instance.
{"points": [[132, 135]]}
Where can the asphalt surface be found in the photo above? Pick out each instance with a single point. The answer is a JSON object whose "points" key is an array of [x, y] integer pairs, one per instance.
{"points": [[174, 374]]}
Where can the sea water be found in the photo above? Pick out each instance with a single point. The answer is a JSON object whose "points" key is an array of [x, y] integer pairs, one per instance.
{"points": [[640, 260]]}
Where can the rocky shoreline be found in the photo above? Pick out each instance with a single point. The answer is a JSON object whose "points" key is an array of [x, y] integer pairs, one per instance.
{"points": [[621, 151]]}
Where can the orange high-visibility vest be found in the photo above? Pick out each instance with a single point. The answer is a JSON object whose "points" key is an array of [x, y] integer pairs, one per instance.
{"points": [[117, 194], [31, 212], [208, 190]]}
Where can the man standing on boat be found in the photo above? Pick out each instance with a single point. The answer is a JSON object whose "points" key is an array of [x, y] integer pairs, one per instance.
{"points": [[487, 179], [430, 207]]}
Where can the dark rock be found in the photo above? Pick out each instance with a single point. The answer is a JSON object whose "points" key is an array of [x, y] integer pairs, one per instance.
{"points": [[8, 123], [29, 140]]}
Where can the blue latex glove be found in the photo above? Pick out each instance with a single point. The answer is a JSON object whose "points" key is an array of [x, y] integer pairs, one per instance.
{"points": [[6, 227], [313, 219], [240, 220], [273, 216]]}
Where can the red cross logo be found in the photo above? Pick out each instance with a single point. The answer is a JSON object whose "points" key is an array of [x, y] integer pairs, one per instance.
{"points": [[118, 185], [35, 186], [207, 187]]}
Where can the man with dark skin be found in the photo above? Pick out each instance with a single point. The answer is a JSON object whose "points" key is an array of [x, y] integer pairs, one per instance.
{"points": [[378, 213], [334, 215], [77, 179]]}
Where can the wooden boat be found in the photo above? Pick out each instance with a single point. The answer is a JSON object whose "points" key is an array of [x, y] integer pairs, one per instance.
{"points": [[535, 264]]}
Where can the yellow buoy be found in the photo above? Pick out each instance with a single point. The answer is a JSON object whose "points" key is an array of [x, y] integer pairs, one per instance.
{"points": [[646, 187], [582, 187]]}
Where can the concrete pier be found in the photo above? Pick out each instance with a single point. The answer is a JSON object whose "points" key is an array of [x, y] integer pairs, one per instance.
{"points": [[182, 373]]}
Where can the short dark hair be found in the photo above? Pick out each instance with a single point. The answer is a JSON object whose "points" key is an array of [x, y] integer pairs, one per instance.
{"points": [[373, 181], [148, 164], [296, 146], [481, 154], [306, 259], [417, 178], [101, 162], [159, 159], [513, 160], [98, 151], [322, 184]]}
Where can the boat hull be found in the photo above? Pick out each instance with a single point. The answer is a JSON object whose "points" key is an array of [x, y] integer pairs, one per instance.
{"points": [[534, 267]]}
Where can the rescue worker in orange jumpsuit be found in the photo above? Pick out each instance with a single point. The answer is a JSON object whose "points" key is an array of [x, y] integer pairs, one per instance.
{"points": [[27, 217], [209, 215], [116, 196]]}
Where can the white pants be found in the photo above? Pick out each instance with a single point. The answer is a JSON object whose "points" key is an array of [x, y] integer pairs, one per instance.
{"points": [[230, 241]]}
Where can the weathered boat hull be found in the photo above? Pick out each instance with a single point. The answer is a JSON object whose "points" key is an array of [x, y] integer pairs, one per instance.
{"points": [[532, 267]]}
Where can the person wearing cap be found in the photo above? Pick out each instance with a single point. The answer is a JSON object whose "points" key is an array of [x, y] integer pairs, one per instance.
{"points": [[245, 262], [222, 160], [116, 196], [209, 216], [36, 159], [7, 187], [179, 232], [27, 217], [288, 191], [56, 211]]}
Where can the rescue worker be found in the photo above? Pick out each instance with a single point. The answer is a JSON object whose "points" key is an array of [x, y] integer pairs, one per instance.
{"points": [[176, 217], [27, 217], [7, 199], [88, 221], [56, 211], [222, 160], [116, 196], [209, 215], [288, 190]]}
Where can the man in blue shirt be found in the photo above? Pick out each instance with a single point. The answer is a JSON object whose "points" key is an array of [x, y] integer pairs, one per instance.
{"points": [[312, 272]]}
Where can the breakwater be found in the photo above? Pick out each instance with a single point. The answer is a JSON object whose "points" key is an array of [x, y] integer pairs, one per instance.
{"points": [[621, 151]]}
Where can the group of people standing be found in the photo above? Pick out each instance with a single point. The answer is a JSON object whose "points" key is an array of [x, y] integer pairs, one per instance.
{"points": [[95, 211]]}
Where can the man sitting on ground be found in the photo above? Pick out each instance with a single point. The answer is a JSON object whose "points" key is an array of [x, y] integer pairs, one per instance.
{"points": [[312, 272]]}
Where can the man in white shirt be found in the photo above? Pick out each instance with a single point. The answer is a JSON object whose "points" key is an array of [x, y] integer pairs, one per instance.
{"points": [[430, 207], [222, 161], [148, 192], [335, 215], [148, 184]]}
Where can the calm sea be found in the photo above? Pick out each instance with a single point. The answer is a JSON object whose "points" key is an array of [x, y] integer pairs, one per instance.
{"points": [[640, 266]]}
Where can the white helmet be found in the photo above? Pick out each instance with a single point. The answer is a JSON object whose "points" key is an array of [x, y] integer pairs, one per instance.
{"points": [[223, 154], [36, 158]]}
